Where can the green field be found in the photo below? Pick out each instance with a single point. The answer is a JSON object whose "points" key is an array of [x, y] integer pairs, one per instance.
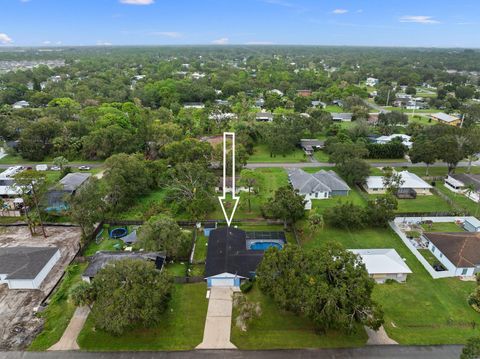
{"points": [[322, 204], [279, 329], [262, 154], [179, 328], [422, 311], [59, 311]]}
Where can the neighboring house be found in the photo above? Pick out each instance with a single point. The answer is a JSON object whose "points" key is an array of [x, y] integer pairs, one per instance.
{"points": [[459, 252], [103, 258], [264, 117], [26, 267], [304, 93], [341, 117], [371, 81], [338, 103], [197, 105], [57, 197], [446, 119], [471, 224], [260, 103], [222, 116], [276, 92], [310, 145], [8, 187], [383, 264], [319, 104], [410, 182], [228, 184], [406, 140], [233, 254], [222, 102], [20, 104], [459, 182], [320, 185]]}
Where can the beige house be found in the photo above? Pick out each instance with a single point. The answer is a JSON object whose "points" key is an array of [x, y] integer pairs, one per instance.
{"points": [[409, 182]]}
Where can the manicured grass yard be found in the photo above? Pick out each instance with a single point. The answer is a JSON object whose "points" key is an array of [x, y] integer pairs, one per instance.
{"points": [[180, 327], [262, 154], [278, 329], [460, 200], [323, 204], [321, 156], [421, 311], [431, 259], [59, 311], [200, 247], [431, 203], [442, 227]]}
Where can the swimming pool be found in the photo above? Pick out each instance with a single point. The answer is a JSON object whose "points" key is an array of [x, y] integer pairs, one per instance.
{"points": [[263, 246]]}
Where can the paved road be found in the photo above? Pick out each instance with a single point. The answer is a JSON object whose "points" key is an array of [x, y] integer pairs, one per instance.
{"points": [[327, 164], [370, 352]]}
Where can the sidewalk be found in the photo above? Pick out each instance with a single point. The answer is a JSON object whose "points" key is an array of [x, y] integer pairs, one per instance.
{"points": [[68, 341]]}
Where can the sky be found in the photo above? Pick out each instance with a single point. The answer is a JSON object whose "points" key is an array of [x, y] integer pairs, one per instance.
{"points": [[425, 23]]}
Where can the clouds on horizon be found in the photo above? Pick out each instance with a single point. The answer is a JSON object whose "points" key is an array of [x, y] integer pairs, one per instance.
{"points": [[5, 39], [419, 19], [137, 2]]}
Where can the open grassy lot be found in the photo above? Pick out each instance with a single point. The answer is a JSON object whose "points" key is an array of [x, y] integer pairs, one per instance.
{"points": [[354, 197], [460, 200], [180, 328], [333, 108], [423, 120], [145, 206], [431, 203], [278, 329], [59, 311], [262, 154], [421, 311]]}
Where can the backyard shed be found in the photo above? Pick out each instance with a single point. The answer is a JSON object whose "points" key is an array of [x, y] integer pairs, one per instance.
{"points": [[472, 224]]}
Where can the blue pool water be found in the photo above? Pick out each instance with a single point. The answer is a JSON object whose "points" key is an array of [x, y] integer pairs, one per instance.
{"points": [[263, 246]]}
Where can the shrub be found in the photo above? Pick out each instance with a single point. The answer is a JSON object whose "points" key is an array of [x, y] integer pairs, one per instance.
{"points": [[246, 286]]}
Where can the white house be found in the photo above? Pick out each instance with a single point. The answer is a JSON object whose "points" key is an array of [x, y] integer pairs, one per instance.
{"points": [[371, 81], [26, 267], [383, 264], [228, 185], [460, 183], [459, 252], [409, 181], [20, 104], [197, 105], [406, 139], [320, 185], [8, 187], [264, 117]]}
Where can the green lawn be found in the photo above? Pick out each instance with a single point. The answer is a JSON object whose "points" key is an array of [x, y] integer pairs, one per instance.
{"points": [[200, 247], [321, 156], [180, 328], [334, 109], [431, 203], [422, 311], [262, 154], [278, 329], [176, 269], [323, 204], [442, 227], [423, 120], [106, 244], [59, 311], [145, 207], [460, 200], [431, 259]]}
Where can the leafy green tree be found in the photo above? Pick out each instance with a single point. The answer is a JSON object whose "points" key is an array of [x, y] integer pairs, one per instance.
{"points": [[393, 118], [381, 210], [287, 205], [329, 285], [162, 233], [82, 294], [64, 108], [188, 150], [343, 152], [252, 181], [354, 171], [126, 178], [36, 139], [471, 349], [87, 206], [129, 293], [60, 162], [450, 150], [424, 151], [345, 215], [315, 220]]}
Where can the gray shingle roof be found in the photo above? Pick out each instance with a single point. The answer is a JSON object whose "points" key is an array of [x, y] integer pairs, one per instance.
{"points": [[24, 262], [468, 179], [72, 181], [322, 181]]}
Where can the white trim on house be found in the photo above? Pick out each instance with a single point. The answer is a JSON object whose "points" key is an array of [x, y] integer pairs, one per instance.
{"points": [[375, 185], [383, 264]]}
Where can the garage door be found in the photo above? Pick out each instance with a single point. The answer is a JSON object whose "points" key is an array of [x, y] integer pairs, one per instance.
{"points": [[222, 282]]}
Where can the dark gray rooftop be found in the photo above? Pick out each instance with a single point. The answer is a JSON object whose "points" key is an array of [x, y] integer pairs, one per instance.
{"points": [[72, 181], [24, 262], [468, 179], [321, 181]]}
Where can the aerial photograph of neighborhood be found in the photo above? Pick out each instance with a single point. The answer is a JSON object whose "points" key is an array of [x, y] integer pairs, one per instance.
{"points": [[239, 179]]}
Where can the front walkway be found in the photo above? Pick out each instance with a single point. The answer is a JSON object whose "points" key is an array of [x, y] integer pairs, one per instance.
{"points": [[379, 337], [68, 341], [219, 320]]}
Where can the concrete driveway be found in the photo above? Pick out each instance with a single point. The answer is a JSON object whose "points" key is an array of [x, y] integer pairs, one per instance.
{"points": [[68, 341], [219, 320]]}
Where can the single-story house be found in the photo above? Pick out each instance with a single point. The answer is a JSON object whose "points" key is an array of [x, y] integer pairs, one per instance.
{"points": [[319, 104], [410, 182], [310, 145], [341, 117], [193, 105], [459, 182], [233, 254], [26, 267], [446, 119], [264, 117], [103, 258], [338, 103], [471, 224], [222, 116], [20, 104], [320, 185], [371, 81], [459, 252], [304, 93], [383, 264], [57, 196], [222, 102], [8, 187], [228, 184], [405, 139]]}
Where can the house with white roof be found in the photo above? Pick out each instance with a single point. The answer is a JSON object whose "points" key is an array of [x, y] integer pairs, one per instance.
{"points": [[21, 104], [406, 139], [466, 184], [8, 187], [320, 185], [371, 81], [409, 182], [383, 264]]}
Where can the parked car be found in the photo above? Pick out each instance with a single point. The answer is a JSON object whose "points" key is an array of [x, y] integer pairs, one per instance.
{"points": [[84, 168], [55, 168]]}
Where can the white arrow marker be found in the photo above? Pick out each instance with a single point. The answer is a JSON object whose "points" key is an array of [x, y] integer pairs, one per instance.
{"points": [[223, 197]]}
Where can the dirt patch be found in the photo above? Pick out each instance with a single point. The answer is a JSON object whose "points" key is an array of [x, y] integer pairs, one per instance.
{"points": [[18, 323]]}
